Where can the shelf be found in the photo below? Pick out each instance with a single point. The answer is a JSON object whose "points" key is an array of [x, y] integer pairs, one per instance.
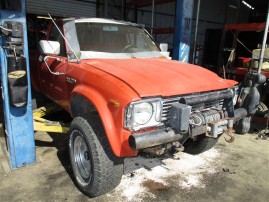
{"points": [[163, 30], [246, 27]]}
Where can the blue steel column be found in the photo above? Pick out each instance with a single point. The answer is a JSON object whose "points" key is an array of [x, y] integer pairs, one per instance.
{"points": [[182, 34], [18, 121]]}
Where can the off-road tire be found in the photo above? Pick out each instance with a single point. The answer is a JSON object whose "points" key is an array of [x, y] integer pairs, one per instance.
{"points": [[200, 145], [105, 170]]}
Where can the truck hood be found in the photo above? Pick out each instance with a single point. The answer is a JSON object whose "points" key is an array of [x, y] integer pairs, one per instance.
{"points": [[161, 77]]}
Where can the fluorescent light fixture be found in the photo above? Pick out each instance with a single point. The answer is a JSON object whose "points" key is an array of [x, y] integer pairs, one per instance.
{"points": [[43, 17], [247, 5], [232, 6]]}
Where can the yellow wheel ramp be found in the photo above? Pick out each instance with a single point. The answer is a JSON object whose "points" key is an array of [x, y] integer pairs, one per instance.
{"points": [[41, 124]]}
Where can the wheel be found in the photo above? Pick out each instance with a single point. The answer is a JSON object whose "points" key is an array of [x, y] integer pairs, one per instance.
{"points": [[96, 169], [200, 145], [243, 126]]}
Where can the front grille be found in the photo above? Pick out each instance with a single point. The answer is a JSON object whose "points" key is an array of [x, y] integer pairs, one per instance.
{"points": [[196, 106]]}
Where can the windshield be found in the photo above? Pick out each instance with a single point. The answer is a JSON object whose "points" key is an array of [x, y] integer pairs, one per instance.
{"points": [[109, 40]]}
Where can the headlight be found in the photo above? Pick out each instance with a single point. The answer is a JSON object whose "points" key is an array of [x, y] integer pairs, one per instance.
{"points": [[143, 114]]}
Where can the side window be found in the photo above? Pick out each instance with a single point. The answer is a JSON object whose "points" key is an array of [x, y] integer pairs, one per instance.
{"points": [[56, 36]]}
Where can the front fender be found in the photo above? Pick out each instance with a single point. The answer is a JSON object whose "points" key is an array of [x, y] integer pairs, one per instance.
{"points": [[113, 133]]}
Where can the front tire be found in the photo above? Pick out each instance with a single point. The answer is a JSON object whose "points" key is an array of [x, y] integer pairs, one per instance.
{"points": [[96, 169], [200, 145]]}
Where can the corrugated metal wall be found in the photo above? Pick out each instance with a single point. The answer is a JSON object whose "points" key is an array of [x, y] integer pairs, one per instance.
{"points": [[163, 18], [62, 8]]}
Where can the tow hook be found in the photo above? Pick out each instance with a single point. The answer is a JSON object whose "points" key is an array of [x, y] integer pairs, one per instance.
{"points": [[178, 147], [230, 132]]}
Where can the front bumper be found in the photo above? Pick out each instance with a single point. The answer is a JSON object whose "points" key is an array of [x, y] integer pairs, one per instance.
{"points": [[164, 136], [153, 138], [210, 113]]}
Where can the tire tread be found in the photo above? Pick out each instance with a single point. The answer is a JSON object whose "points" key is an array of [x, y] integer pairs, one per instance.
{"points": [[108, 168], [201, 145]]}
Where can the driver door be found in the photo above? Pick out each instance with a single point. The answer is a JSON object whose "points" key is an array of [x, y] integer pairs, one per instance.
{"points": [[52, 85]]}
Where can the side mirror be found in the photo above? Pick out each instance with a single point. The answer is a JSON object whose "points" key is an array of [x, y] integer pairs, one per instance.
{"points": [[50, 47], [164, 50], [164, 47]]}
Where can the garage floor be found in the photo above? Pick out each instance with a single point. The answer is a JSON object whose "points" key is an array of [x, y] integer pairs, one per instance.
{"points": [[228, 172]]}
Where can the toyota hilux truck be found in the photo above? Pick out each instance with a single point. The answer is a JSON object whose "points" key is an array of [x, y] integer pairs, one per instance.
{"points": [[125, 96]]}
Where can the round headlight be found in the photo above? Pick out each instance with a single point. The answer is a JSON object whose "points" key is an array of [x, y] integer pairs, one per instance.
{"points": [[142, 112]]}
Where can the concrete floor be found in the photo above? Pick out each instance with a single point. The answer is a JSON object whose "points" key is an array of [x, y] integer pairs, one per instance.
{"points": [[229, 172]]}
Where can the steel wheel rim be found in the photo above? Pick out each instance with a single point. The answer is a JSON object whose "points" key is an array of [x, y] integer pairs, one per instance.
{"points": [[82, 157]]}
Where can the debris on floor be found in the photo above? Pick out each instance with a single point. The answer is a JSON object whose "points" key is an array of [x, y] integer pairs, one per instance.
{"points": [[144, 176], [227, 168]]}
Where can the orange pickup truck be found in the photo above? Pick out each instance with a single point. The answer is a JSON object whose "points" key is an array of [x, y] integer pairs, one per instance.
{"points": [[125, 96]]}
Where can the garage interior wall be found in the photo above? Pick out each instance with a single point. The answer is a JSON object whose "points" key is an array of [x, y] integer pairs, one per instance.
{"points": [[212, 17], [163, 18], [62, 8]]}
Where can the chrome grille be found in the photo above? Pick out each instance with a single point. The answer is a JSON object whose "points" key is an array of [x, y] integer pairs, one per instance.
{"points": [[167, 103]]}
